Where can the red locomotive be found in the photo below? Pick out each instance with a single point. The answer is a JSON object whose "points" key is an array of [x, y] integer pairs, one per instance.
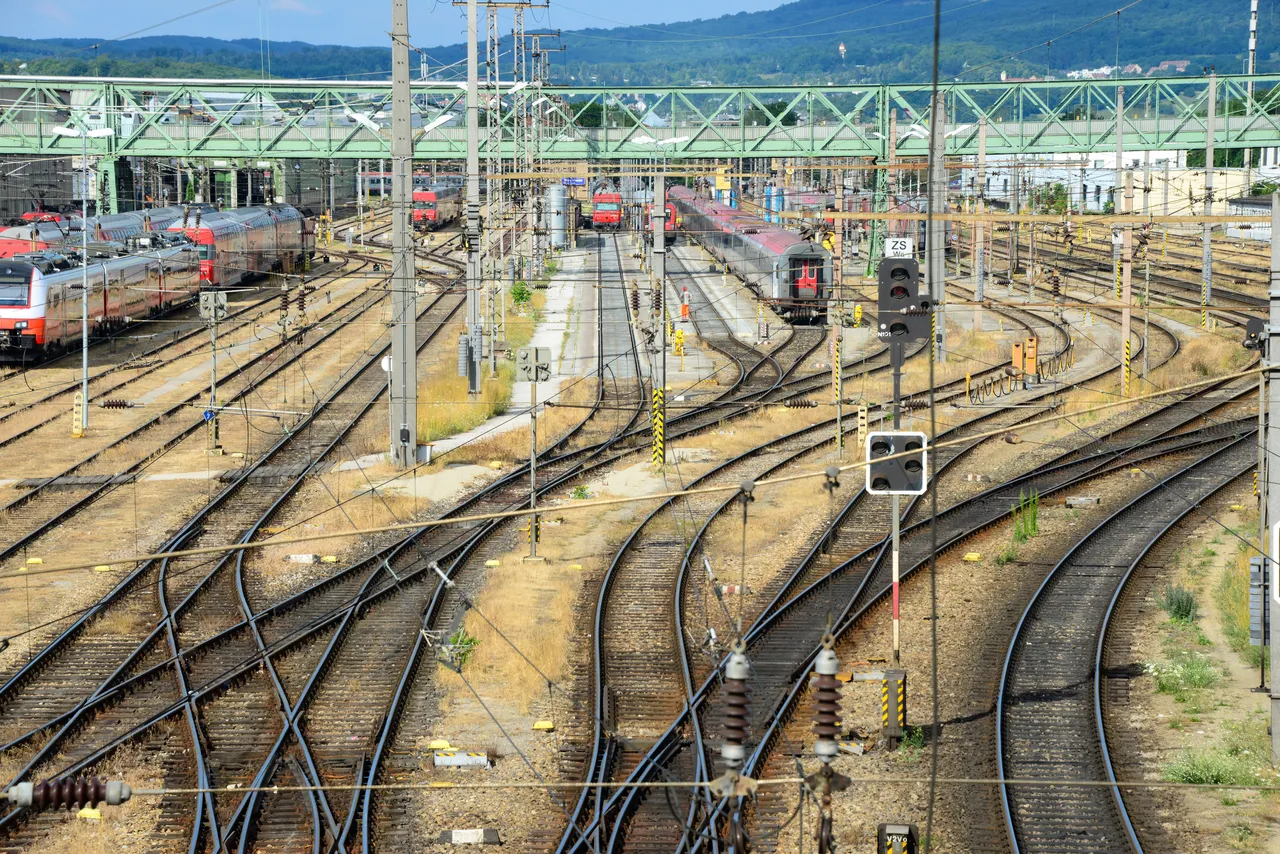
{"points": [[436, 207]]}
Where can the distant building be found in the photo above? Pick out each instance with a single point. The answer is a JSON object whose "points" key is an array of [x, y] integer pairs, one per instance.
{"points": [[1131, 68], [1091, 73], [1169, 66]]}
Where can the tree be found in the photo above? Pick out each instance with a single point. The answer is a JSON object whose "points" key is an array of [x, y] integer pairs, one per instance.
{"points": [[1051, 199], [754, 115]]}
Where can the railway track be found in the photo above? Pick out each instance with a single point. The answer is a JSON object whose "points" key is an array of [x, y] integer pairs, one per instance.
{"points": [[1048, 715], [643, 672], [298, 624], [49, 502], [195, 602], [312, 655], [785, 651]]}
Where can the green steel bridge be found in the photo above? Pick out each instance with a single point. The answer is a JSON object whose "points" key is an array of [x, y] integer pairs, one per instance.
{"points": [[230, 123], [305, 119]]}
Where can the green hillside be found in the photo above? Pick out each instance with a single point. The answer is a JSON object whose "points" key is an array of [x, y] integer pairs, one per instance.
{"points": [[885, 41]]}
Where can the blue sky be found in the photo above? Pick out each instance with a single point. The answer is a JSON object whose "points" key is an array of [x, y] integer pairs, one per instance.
{"points": [[432, 22]]}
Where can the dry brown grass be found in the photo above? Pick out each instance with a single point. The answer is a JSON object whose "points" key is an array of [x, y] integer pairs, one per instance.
{"points": [[1210, 356], [553, 423], [125, 621], [533, 606], [360, 508], [444, 406]]}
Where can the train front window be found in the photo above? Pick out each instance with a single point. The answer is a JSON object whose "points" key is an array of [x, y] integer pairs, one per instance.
{"points": [[606, 206], [207, 251], [15, 288], [424, 206]]}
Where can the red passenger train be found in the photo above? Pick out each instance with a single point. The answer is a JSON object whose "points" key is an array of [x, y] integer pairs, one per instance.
{"points": [[242, 242]]}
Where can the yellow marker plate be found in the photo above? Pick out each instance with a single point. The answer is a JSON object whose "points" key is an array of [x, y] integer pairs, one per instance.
{"points": [[32, 561], [972, 557], [544, 726], [439, 744]]}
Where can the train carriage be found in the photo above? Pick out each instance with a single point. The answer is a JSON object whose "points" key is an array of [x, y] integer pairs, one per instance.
{"points": [[792, 273], [40, 306]]}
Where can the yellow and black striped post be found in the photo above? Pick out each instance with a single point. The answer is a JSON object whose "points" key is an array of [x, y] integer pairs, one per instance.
{"points": [[659, 428], [933, 336], [1128, 356], [1204, 304], [1118, 278], [1255, 484], [893, 705]]}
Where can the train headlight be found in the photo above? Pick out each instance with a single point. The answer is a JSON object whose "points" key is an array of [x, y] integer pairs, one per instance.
{"points": [[21, 324]]}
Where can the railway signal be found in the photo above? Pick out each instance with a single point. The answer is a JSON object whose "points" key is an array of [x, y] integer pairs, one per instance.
{"points": [[904, 314], [890, 474]]}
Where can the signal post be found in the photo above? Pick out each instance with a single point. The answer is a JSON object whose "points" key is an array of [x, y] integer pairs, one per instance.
{"points": [[905, 315]]}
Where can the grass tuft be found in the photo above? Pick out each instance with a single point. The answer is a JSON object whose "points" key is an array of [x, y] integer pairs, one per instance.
{"points": [[1180, 603]]}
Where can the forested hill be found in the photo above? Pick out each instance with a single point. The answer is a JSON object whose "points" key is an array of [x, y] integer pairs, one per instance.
{"points": [[885, 41]]}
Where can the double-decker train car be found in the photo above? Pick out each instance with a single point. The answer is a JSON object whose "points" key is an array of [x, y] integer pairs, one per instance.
{"points": [[239, 243], [791, 273], [53, 234], [436, 207], [40, 298]]}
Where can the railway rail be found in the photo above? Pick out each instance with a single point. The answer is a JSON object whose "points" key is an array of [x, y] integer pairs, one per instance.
{"points": [[1048, 714], [812, 620]]}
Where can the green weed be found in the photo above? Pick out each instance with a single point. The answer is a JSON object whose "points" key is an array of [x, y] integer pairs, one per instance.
{"points": [[1183, 675], [1007, 555], [1207, 767], [913, 737], [461, 646], [1026, 516], [1180, 603]]}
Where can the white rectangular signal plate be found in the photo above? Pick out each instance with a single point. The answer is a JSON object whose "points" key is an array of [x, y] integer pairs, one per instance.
{"points": [[899, 247], [924, 445]]}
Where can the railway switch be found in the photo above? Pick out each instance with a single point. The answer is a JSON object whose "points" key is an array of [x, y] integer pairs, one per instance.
{"points": [[891, 474], [1031, 356], [904, 314], [897, 839]]}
